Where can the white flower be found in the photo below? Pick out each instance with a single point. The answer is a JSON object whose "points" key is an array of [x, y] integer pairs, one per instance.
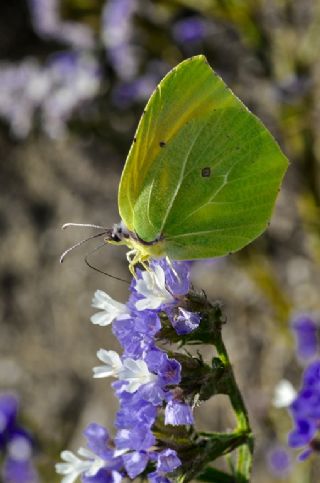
{"points": [[136, 373], [73, 466], [153, 287], [112, 364], [284, 394], [111, 309]]}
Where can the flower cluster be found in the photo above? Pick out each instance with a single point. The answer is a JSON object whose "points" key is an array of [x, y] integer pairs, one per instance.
{"points": [[47, 94], [304, 405], [48, 24], [15, 444], [52, 91], [147, 380], [305, 411]]}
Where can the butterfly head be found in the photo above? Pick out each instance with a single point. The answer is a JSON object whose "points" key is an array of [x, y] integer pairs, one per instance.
{"points": [[140, 252]]}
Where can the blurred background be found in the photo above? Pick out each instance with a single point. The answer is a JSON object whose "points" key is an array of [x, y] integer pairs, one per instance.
{"points": [[74, 78]]}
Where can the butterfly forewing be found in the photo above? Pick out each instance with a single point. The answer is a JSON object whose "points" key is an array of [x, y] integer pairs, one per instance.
{"points": [[204, 172]]}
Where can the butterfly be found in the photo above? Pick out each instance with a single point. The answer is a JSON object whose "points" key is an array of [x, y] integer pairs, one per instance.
{"points": [[202, 174]]}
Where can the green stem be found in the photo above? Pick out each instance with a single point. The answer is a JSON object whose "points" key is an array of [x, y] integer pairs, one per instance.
{"points": [[245, 452]]}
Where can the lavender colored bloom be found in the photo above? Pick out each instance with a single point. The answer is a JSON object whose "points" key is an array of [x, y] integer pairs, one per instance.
{"points": [[311, 377], [52, 92], [169, 371], [302, 434], [48, 24], [127, 93], [98, 440], [15, 471], [305, 331], [138, 438], [147, 379], [136, 411], [168, 461], [177, 275], [177, 413], [185, 322], [155, 477], [16, 443], [189, 30], [279, 461], [305, 411], [103, 476], [117, 33], [135, 462], [8, 414]]}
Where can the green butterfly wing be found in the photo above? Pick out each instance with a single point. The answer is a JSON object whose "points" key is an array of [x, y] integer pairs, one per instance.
{"points": [[203, 172]]}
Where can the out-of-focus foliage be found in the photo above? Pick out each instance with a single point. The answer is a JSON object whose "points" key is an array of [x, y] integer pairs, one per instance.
{"points": [[74, 76]]}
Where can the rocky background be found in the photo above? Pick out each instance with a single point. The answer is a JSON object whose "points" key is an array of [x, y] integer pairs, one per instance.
{"points": [[74, 77]]}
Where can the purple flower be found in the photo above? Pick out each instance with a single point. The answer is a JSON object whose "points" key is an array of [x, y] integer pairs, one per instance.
{"points": [[305, 411], [103, 476], [98, 440], [169, 371], [302, 434], [138, 438], [147, 379], [185, 322], [135, 462], [117, 33], [190, 30], [18, 466], [155, 477], [305, 331], [168, 461], [52, 92], [311, 377], [15, 471], [177, 275], [135, 411], [177, 413], [8, 414], [279, 461], [49, 25]]}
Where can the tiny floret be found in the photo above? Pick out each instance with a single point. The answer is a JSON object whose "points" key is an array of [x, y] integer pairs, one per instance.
{"points": [[73, 467], [284, 394], [112, 364], [152, 286], [136, 374], [110, 309]]}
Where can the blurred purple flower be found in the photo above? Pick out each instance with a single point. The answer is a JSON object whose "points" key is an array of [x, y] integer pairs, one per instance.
{"points": [[279, 461], [48, 24], [305, 411], [117, 37], [15, 471], [190, 30], [8, 414], [53, 91], [103, 476], [16, 444], [305, 330]]}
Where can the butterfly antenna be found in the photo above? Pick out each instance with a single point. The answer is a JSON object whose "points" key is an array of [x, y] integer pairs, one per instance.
{"points": [[86, 225], [76, 245], [98, 269]]}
